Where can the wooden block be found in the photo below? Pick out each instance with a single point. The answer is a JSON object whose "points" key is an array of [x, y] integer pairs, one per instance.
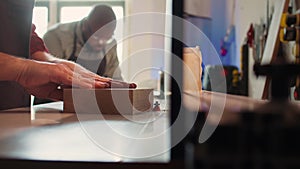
{"points": [[192, 69], [108, 101]]}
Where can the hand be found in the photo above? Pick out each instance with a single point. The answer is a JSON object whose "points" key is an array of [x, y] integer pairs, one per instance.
{"points": [[43, 79], [81, 70], [44, 56], [88, 74]]}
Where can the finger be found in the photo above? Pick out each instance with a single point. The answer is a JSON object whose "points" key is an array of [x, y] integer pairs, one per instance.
{"points": [[79, 81], [86, 73], [66, 76], [118, 84], [103, 79], [89, 74], [99, 84], [92, 82], [124, 84], [132, 85], [97, 77], [96, 85], [89, 80], [93, 76]]}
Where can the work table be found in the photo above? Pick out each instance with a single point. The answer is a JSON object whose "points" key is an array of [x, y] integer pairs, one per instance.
{"points": [[46, 133]]}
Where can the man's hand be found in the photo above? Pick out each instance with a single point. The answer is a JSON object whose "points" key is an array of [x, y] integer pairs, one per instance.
{"points": [[81, 70], [88, 74], [43, 79], [46, 57]]}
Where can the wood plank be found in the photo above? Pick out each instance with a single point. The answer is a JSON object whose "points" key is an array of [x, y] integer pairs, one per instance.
{"points": [[108, 101], [192, 69]]}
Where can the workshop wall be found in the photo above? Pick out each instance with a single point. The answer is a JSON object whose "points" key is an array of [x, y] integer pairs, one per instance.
{"points": [[141, 63]]}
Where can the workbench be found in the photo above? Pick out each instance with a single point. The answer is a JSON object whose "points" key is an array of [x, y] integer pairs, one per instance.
{"points": [[46, 137]]}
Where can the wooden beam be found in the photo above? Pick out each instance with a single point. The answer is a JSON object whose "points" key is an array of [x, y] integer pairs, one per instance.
{"points": [[108, 101]]}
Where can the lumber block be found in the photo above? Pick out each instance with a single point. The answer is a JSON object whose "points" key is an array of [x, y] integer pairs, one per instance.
{"points": [[192, 70], [108, 101]]}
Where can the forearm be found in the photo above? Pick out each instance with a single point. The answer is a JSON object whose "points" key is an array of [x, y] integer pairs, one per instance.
{"points": [[11, 67], [44, 56]]}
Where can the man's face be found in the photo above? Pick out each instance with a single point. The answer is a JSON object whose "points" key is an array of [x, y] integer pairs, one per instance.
{"points": [[100, 37]]}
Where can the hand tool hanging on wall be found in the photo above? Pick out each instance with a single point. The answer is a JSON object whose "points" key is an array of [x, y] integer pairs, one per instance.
{"points": [[290, 31]]}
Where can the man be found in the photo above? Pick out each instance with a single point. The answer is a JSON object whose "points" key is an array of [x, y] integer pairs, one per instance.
{"points": [[89, 42]]}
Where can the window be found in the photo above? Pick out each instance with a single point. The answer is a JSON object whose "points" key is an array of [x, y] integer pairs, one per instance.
{"points": [[75, 13], [70, 14], [40, 19]]}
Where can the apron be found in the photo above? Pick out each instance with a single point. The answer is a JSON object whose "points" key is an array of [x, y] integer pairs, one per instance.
{"points": [[88, 64], [15, 31]]}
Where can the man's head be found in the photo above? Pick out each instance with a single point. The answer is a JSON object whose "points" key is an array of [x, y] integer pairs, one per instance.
{"points": [[101, 17]]}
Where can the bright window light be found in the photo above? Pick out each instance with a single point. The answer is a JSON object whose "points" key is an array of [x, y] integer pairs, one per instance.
{"points": [[76, 13], [71, 14], [40, 19]]}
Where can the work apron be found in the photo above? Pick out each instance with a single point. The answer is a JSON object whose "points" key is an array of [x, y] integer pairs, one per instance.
{"points": [[15, 31]]}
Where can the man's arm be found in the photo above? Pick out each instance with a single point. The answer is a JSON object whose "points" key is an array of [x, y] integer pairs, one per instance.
{"points": [[43, 78], [11, 67], [112, 68]]}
